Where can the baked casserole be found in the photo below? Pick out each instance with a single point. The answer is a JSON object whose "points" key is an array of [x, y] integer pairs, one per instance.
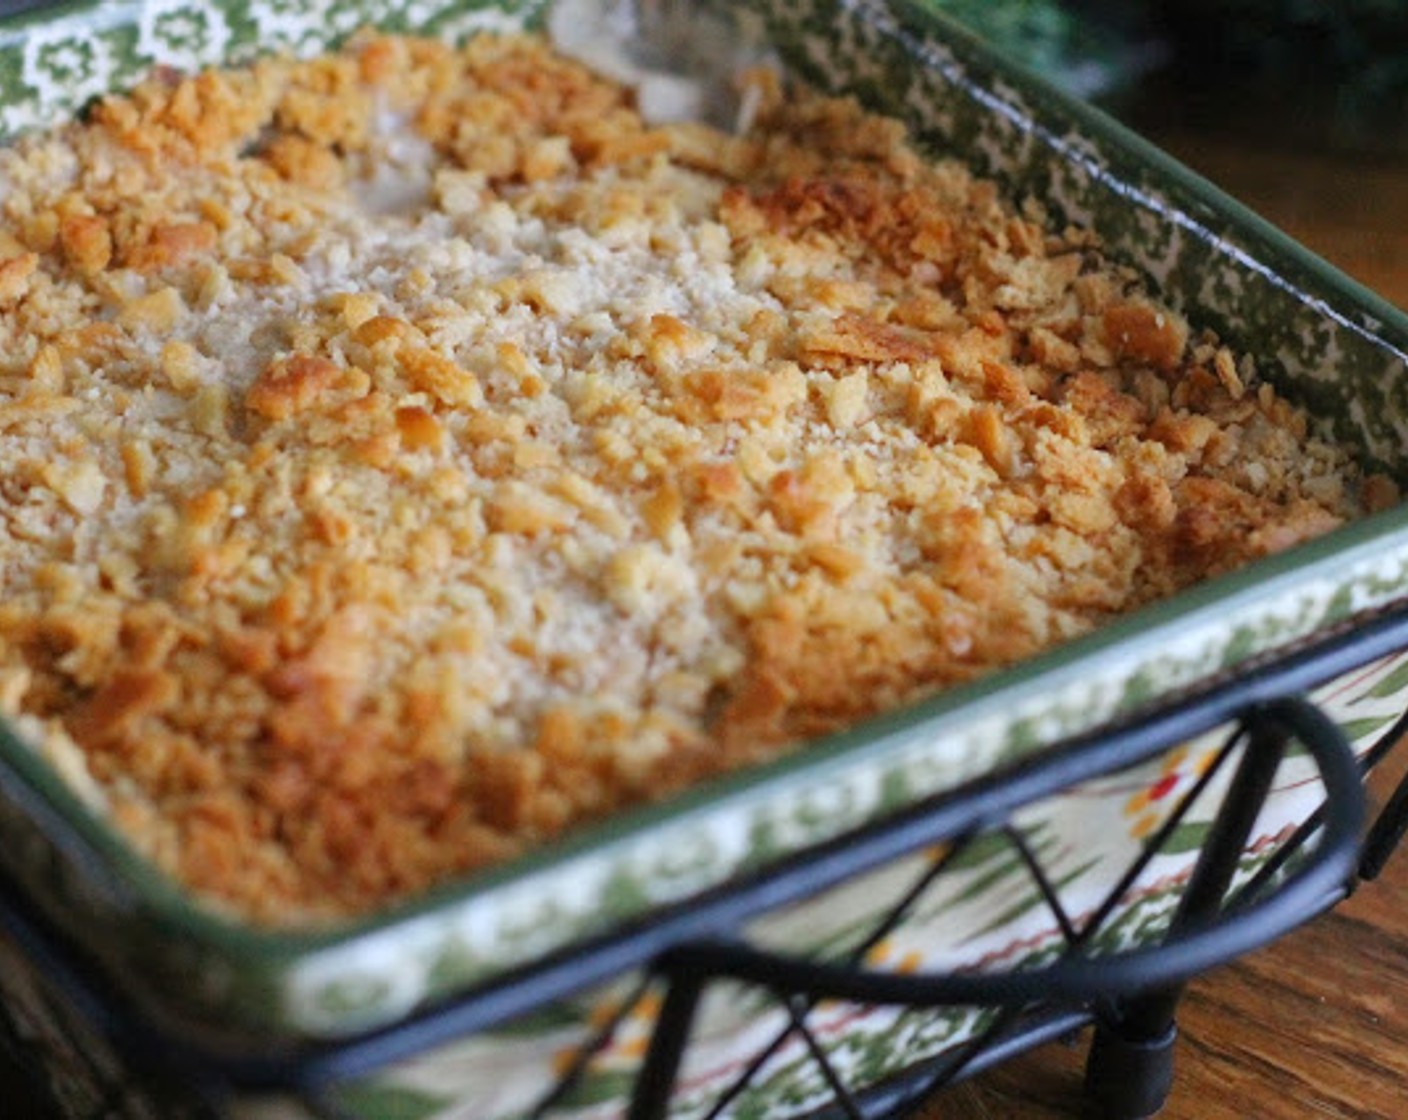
{"points": [[412, 454]]}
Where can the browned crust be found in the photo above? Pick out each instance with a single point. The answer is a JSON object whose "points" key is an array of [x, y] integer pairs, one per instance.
{"points": [[471, 555]]}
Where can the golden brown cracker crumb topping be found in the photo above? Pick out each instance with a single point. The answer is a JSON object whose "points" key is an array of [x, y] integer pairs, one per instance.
{"points": [[411, 454]]}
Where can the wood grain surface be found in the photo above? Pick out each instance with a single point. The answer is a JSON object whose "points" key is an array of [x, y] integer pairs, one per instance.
{"points": [[1315, 1026]]}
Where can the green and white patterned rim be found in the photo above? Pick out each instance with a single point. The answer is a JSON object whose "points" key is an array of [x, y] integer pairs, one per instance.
{"points": [[1324, 340]]}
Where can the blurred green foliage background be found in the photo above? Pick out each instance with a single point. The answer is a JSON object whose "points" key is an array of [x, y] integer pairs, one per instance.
{"points": [[1342, 64]]}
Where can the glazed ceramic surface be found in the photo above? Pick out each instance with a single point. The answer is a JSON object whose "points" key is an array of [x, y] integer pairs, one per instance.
{"points": [[1325, 343]]}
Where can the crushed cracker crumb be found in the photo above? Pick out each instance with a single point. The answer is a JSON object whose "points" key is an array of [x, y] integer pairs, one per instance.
{"points": [[414, 455]]}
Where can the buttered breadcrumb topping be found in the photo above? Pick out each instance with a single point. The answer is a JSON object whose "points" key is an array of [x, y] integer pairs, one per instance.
{"points": [[409, 454]]}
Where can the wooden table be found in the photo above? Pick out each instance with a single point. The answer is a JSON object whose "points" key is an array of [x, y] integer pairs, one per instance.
{"points": [[1317, 1024]]}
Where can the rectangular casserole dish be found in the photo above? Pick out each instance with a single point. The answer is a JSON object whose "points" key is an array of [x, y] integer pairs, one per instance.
{"points": [[1322, 340]]}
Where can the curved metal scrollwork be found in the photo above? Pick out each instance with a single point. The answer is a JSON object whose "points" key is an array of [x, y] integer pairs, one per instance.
{"points": [[1214, 922]]}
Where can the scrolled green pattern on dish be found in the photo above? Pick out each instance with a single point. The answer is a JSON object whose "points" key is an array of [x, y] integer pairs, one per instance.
{"points": [[51, 65]]}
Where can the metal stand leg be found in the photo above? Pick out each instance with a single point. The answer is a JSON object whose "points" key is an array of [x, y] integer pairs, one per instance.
{"points": [[1129, 1072], [662, 1061], [1129, 1079]]}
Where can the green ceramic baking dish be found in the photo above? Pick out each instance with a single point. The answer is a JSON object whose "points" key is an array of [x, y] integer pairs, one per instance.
{"points": [[1324, 341]]}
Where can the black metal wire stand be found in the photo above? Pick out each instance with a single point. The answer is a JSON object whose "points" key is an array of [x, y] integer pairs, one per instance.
{"points": [[1130, 995]]}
